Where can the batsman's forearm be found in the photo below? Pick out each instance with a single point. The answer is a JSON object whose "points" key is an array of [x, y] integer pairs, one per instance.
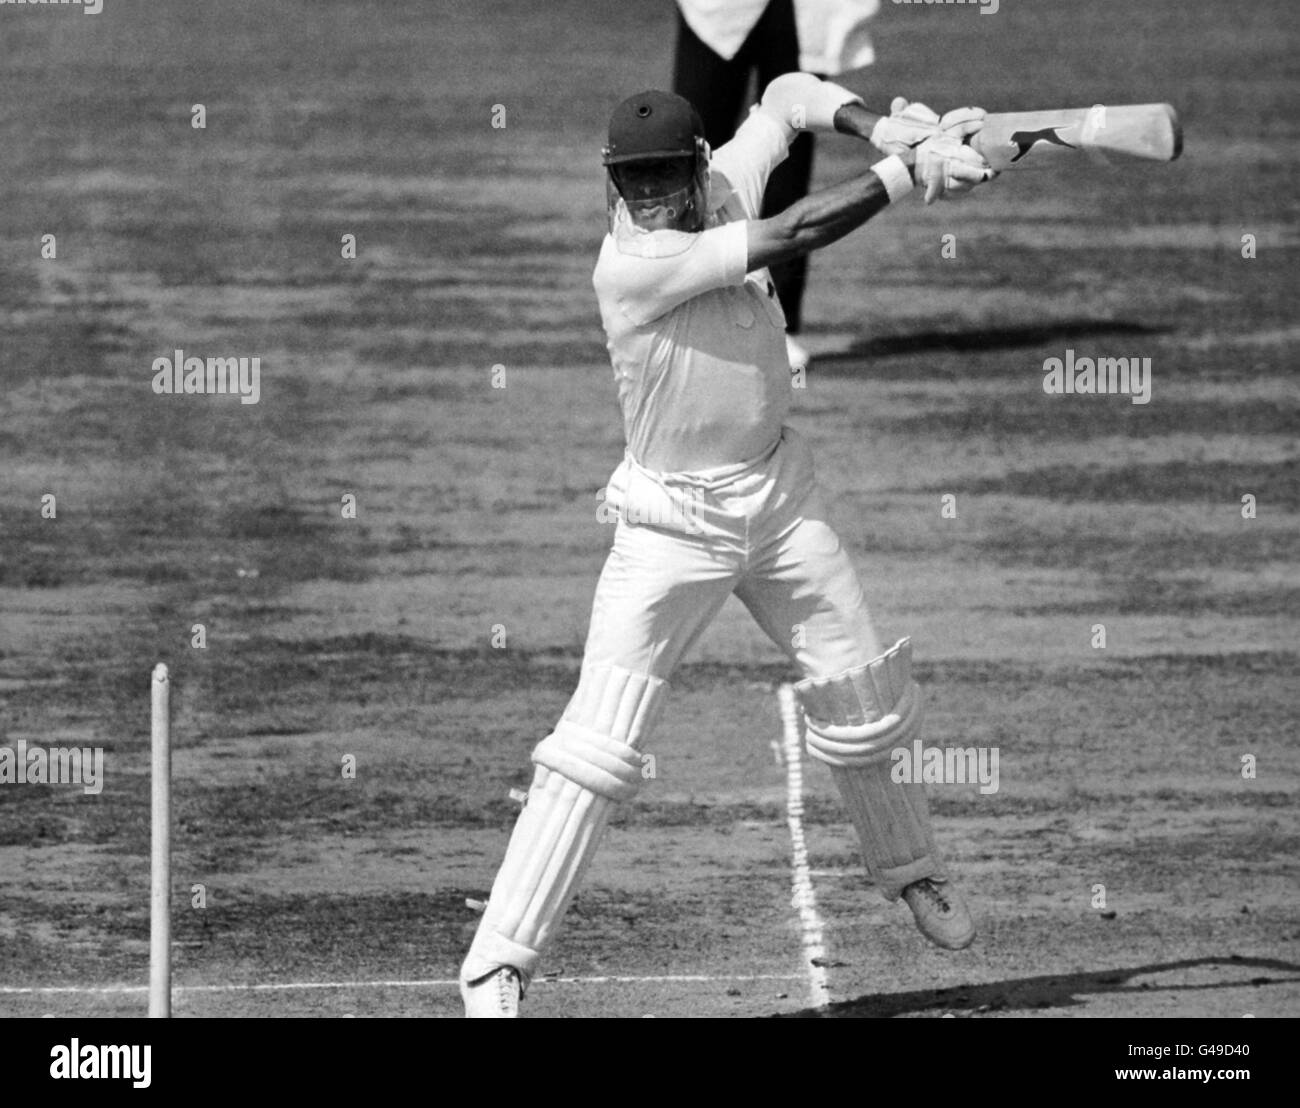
{"points": [[823, 217], [854, 119], [815, 221]]}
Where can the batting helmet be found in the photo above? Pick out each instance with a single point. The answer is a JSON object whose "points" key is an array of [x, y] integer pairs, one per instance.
{"points": [[653, 125], [657, 162]]}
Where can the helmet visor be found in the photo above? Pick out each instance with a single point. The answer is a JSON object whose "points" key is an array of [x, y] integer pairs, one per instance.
{"points": [[661, 193]]}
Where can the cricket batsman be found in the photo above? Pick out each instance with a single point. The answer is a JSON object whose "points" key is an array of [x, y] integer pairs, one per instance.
{"points": [[716, 494]]}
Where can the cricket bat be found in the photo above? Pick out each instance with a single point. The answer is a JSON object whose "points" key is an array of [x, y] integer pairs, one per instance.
{"points": [[1149, 132]]}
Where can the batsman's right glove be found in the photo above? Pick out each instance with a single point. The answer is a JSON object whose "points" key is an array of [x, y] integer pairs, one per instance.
{"points": [[946, 165]]}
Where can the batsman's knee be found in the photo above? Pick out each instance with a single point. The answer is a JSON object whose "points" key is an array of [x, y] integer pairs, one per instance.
{"points": [[595, 743], [593, 761], [857, 717]]}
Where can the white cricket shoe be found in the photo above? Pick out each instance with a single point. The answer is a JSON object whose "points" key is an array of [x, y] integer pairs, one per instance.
{"points": [[940, 913], [795, 352], [495, 996]]}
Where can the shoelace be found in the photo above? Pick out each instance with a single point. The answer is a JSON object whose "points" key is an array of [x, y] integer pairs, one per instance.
{"points": [[931, 890], [507, 988]]}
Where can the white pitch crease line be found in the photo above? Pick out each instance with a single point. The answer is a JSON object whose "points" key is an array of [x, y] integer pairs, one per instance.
{"points": [[432, 983], [804, 899]]}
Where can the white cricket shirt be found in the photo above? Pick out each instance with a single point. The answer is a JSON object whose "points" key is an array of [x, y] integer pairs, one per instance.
{"points": [[697, 344]]}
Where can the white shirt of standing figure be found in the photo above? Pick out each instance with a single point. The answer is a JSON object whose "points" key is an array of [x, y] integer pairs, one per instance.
{"points": [[833, 35]]}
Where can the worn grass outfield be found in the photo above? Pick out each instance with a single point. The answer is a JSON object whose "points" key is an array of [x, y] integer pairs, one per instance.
{"points": [[371, 636]]}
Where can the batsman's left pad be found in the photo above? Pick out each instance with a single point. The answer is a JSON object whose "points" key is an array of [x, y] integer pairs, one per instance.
{"points": [[855, 720], [585, 766]]}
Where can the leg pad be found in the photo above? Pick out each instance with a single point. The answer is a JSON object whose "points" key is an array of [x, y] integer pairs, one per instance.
{"points": [[587, 764], [858, 716], [855, 719], [597, 762]]}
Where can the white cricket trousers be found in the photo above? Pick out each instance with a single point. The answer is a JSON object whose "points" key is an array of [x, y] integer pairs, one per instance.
{"points": [[684, 543]]}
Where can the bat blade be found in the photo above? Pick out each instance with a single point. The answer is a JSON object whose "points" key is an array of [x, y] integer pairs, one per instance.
{"points": [[1148, 132]]}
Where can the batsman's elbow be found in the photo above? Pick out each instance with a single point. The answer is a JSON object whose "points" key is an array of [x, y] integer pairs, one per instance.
{"points": [[775, 240]]}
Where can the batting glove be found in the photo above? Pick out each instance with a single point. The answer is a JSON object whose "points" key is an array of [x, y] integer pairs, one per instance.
{"points": [[946, 165], [962, 122], [904, 128]]}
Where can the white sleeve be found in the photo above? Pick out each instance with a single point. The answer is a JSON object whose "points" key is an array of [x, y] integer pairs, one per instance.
{"points": [[791, 103], [742, 167], [645, 288], [833, 35]]}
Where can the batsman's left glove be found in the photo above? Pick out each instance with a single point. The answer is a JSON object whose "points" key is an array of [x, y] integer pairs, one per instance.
{"points": [[962, 122], [904, 128]]}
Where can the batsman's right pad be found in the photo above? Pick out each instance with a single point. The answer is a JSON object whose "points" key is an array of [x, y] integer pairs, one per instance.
{"points": [[855, 720], [585, 766]]}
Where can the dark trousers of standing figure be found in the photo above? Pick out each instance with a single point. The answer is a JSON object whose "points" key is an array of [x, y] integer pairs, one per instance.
{"points": [[717, 87]]}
